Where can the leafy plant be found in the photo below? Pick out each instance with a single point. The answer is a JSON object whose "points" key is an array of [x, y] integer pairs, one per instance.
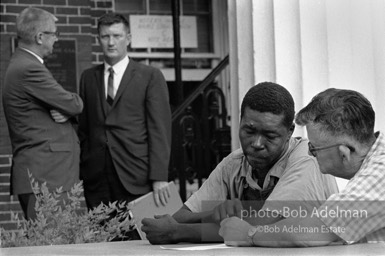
{"points": [[65, 222]]}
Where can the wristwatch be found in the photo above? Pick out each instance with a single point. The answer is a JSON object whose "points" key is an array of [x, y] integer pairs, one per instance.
{"points": [[250, 235]]}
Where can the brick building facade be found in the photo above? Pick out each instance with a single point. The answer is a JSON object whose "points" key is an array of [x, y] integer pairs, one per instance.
{"points": [[76, 20]]}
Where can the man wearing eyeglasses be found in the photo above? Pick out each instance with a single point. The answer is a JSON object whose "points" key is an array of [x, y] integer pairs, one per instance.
{"points": [[39, 112], [340, 127]]}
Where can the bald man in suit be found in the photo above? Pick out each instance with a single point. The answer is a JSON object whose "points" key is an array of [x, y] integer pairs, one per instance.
{"points": [[39, 112]]}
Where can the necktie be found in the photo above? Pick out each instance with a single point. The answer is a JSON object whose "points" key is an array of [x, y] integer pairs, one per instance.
{"points": [[110, 87]]}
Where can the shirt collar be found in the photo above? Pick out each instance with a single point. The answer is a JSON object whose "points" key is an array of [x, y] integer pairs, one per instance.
{"points": [[119, 67], [34, 54], [277, 170], [378, 146]]}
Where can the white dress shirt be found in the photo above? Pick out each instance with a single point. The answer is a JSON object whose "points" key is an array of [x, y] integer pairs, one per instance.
{"points": [[119, 69]]}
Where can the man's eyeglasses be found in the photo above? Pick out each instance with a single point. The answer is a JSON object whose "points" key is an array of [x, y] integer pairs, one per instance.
{"points": [[56, 33], [313, 150]]}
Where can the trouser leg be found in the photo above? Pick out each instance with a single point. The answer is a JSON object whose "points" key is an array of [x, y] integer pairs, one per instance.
{"points": [[27, 202]]}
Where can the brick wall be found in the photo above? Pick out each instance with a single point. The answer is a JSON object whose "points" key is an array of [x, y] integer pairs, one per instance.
{"points": [[77, 19]]}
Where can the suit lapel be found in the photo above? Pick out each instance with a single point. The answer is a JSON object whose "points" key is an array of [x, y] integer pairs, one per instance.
{"points": [[124, 83], [99, 73]]}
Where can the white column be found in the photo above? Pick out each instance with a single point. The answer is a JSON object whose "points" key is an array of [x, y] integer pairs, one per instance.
{"points": [[362, 48], [356, 41], [241, 59], [314, 49], [264, 46], [288, 49], [377, 12], [339, 43]]}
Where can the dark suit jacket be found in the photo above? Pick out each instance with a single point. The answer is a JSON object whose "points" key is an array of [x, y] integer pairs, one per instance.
{"points": [[49, 150], [136, 129]]}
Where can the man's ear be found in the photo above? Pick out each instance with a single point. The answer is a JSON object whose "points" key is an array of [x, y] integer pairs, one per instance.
{"points": [[38, 38], [346, 154], [129, 38], [291, 130]]}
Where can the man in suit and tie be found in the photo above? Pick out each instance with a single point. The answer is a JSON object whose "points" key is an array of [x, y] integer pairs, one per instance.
{"points": [[39, 112], [125, 128]]}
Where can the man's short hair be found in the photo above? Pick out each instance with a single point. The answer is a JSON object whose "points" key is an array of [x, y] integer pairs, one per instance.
{"points": [[32, 21], [340, 112], [111, 18], [270, 97]]}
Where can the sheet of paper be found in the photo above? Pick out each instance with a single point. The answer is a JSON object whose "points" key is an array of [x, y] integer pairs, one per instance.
{"points": [[189, 247]]}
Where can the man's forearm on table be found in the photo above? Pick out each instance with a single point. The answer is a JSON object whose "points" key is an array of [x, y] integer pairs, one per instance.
{"points": [[197, 233], [184, 215]]}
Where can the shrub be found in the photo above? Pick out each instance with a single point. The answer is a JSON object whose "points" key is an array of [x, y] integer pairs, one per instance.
{"points": [[66, 222]]}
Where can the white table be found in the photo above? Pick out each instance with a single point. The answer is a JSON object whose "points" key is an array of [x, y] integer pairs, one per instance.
{"points": [[143, 248]]}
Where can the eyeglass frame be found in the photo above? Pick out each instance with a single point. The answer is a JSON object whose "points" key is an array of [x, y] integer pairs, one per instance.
{"points": [[313, 150], [56, 33]]}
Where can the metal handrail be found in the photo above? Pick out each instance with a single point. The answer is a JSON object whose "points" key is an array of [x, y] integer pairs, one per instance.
{"points": [[207, 81]]}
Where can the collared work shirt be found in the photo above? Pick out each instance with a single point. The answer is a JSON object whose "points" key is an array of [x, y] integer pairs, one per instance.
{"points": [[361, 205], [298, 174]]}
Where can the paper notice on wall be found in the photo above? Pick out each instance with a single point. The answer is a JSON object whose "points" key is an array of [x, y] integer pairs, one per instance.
{"points": [[156, 31]]}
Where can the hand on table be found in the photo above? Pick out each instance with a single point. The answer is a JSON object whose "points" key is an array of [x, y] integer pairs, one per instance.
{"points": [[59, 117], [161, 192], [229, 208], [160, 230], [234, 232]]}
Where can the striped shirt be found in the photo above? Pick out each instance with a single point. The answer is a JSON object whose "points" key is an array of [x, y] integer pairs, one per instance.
{"points": [[361, 205]]}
